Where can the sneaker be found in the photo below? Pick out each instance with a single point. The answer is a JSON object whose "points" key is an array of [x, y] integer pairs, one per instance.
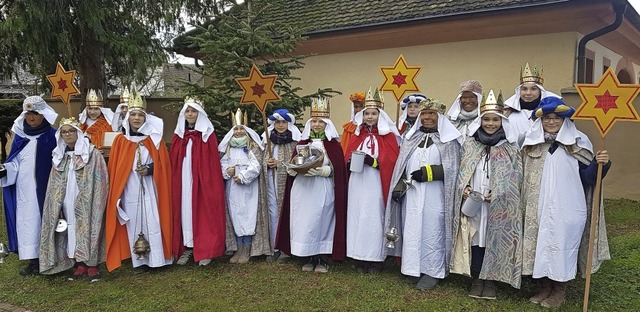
{"points": [[31, 269], [310, 265], [93, 273], [476, 288], [322, 266], [79, 273], [141, 269], [185, 257], [489, 290], [204, 262]]}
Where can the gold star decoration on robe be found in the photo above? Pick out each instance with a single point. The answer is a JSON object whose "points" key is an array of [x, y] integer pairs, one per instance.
{"points": [[607, 101], [400, 78], [62, 83], [258, 89]]}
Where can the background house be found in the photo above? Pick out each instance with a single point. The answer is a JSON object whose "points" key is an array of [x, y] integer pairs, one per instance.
{"points": [[458, 40]]}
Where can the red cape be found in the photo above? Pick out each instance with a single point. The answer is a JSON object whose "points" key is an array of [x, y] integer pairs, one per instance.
{"points": [[208, 214], [283, 237], [120, 164], [347, 132], [387, 155]]}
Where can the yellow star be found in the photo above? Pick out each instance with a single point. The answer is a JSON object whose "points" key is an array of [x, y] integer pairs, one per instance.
{"points": [[400, 78], [258, 89], [607, 101], [62, 83]]}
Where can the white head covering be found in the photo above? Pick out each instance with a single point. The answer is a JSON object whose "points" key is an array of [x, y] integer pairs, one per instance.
{"points": [[509, 131], [152, 126], [277, 115], [222, 147], [446, 129], [108, 115], [385, 124], [329, 131], [82, 147], [116, 116], [203, 124], [37, 104], [514, 100], [568, 135], [412, 98]]}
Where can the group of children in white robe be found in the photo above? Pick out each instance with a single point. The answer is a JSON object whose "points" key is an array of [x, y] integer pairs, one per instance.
{"points": [[407, 180]]}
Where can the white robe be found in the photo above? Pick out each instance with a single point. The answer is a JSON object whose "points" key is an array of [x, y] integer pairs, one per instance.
{"points": [[480, 182], [423, 248], [68, 205], [21, 172], [242, 199], [272, 200], [312, 213], [521, 121], [187, 197], [365, 210], [562, 213], [140, 206]]}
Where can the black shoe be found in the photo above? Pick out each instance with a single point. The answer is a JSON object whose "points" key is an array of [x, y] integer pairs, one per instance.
{"points": [[427, 282], [32, 268]]}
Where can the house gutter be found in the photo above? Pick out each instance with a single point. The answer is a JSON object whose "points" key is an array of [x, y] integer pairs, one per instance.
{"points": [[619, 8]]}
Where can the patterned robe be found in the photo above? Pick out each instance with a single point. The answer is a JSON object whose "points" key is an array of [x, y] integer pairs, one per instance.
{"points": [[503, 253], [90, 204]]}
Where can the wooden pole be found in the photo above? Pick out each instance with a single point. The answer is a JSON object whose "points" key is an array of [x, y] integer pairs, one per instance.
{"points": [[267, 136], [595, 210]]}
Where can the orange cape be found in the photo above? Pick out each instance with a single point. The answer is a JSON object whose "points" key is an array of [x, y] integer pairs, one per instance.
{"points": [[347, 132], [97, 130], [120, 164]]}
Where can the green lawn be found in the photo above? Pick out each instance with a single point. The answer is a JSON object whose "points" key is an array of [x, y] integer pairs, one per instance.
{"points": [[266, 286]]}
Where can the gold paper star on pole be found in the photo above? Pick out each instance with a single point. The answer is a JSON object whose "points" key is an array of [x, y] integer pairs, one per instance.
{"points": [[607, 101], [62, 83], [258, 89], [400, 78]]}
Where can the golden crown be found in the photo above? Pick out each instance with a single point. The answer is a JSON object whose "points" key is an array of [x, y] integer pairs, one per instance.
{"points": [[528, 75], [374, 99], [492, 103], [239, 118], [136, 102], [193, 100], [320, 107], [71, 121], [433, 104], [124, 96], [94, 98]]}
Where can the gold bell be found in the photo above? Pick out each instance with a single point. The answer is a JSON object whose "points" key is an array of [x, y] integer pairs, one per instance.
{"points": [[141, 247]]}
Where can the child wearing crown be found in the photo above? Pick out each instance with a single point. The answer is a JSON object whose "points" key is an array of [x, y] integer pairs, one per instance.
{"points": [[377, 137], [139, 204], [527, 96], [197, 188], [95, 119], [491, 167], [247, 220], [423, 213], [313, 217], [560, 172], [76, 193], [26, 171]]}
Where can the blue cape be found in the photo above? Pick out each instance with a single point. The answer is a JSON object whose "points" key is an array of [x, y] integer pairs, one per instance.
{"points": [[44, 147]]}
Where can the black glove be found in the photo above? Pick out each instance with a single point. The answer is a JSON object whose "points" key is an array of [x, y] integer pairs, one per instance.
{"points": [[370, 161], [417, 175], [428, 173], [398, 191]]}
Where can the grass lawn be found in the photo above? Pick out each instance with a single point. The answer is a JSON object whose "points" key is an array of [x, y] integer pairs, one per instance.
{"points": [[270, 286]]}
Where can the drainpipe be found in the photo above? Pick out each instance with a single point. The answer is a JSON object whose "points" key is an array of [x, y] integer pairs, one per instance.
{"points": [[618, 7]]}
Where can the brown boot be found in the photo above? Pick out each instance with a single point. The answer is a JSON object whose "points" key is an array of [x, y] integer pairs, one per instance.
{"points": [[245, 253], [236, 255], [556, 298], [545, 291]]}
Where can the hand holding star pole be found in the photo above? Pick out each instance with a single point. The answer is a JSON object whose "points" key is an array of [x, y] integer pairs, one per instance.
{"points": [[63, 85], [399, 79], [605, 102]]}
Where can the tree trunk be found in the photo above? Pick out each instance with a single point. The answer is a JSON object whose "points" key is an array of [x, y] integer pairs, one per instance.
{"points": [[91, 65]]}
